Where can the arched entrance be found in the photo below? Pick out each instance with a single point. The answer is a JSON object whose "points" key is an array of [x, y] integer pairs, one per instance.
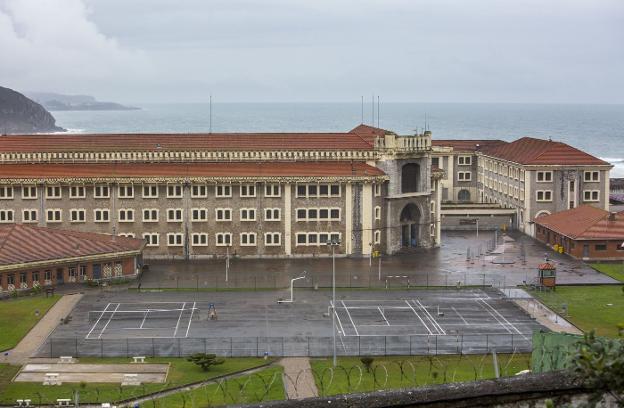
{"points": [[463, 195], [410, 225]]}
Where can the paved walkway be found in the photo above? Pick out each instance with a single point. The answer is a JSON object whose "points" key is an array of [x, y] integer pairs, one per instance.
{"points": [[38, 334], [546, 317], [298, 378]]}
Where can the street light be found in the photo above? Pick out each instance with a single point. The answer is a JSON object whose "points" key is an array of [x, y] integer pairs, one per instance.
{"points": [[333, 243], [227, 259]]}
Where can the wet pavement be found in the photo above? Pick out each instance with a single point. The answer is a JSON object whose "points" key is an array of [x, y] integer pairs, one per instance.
{"points": [[463, 259]]}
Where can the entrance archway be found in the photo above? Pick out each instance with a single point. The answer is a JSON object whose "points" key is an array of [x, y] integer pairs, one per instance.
{"points": [[410, 225]]}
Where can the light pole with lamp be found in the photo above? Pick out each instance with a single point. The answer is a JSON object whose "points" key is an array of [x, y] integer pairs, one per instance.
{"points": [[227, 259], [333, 243]]}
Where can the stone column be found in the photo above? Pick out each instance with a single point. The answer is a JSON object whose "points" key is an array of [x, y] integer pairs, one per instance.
{"points": [[287, 219]]}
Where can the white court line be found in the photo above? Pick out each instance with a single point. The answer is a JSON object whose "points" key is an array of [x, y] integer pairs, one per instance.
{"points": [[495, 318], [375, 307], [179, 318], [436, 326], [97, 321], [382, 315], [144, 318], [350, 318], [419, 318], [109, 320], [507, 321], [337, 318], [190, 320], [460, 316]]}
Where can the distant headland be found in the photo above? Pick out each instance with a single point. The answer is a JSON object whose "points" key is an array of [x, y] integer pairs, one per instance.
{"points": [[18, 114], [59, 102]]}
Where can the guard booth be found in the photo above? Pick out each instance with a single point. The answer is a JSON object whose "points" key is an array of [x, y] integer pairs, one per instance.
{"points": [[547, 275]]}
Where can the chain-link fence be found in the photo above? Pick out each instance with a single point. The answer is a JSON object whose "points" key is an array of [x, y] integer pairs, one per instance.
{"points": [[287, 346]]}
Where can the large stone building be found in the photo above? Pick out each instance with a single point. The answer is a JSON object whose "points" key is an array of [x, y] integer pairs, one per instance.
{"points": [[202, 195]]}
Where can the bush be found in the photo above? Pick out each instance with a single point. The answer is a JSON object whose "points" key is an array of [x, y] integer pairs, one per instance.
{"points": [[205, 361], [368, 363]]}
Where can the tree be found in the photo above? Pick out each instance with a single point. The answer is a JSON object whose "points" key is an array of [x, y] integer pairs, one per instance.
{"points": [[205, 361], [368, 363]]}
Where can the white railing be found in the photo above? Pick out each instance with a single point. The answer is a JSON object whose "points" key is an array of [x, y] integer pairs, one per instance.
{"points": [[413, 143]]}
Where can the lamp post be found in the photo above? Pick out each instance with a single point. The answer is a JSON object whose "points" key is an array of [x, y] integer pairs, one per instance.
{"points": [[333, 243], [227, 260]]}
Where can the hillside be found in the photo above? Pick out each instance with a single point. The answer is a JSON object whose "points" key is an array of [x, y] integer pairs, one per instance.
{"points": [[18, 114], [59, 102]]}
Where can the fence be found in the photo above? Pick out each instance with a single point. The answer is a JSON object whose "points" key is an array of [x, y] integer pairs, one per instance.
{"points": [[287, 346]]}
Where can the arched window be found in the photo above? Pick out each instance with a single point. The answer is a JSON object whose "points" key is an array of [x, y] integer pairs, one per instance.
{"points": [[463, 195], [410, 178]]}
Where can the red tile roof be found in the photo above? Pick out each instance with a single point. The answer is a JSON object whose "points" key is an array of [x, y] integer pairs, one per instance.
{"points": [[467, 145], [173, 142], [585, 222], [223, 169], [20, 243], [531, 151]]}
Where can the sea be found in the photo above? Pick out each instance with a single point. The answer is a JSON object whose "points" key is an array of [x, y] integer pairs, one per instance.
{"points": [[597, 129]]}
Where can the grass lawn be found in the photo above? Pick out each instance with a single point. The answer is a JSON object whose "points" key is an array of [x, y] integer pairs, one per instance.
{"points": [[405, 372], [17, 317], [616, 271], [266, 385], [181, 372], [588, 306]]}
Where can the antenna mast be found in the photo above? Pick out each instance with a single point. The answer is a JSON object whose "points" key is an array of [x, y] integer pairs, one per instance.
{"points": [[362, 122], [377, 110], [210, 118], [373, 109]]}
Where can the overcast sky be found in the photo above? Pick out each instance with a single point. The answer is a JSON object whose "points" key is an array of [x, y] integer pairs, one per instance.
{"points": [[316, 50]]}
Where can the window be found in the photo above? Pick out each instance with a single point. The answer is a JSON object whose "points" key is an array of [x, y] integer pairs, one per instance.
{"points": [[199, 191], [29, 215], [620, 247], [223, 214], [126, 191], [302, 191], [377, 238], [77, 215], [126, 234], [272, 239], [6, 216], [35, 277], [591, 176], [174, 191], [591, 195], [223, 239], [334, 190], [464, 176], [53, 192], [77, 192], [101, 215], [29, 192], [318, 190], [126, 215], [544, 176], [82, 270], [152, 239], [101, 192], [150, 215], [199, 214], [312, 190], [174, 215], [435, 162], [248, 190], [272, 214], [378, 213], [248, 239], [223, 191], [174, 239], [601, 247], [150, 191], [464, 160], [315, 238], [247, 214], [199, 239], [544, 195], [54, 215], [272, 190], [6, 192]]}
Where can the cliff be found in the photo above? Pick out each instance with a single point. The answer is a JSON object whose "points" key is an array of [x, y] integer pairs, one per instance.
{"points": [[18, 114]]}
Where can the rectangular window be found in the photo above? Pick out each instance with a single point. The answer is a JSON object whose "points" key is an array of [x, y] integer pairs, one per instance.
{"points": [[464, 175], [29, 192], [126, 215], [150, 191], [126, 191], [54, 215], [199, 214], [378, 213], [248, 190], [302, 214], [53, 192], [302, 239], [174, 215], [323, 190], [223, 239], [544, 176], [77, 192], [601, 247], [29, 215], [6, 192], [127, 234], [223, 191], [272, 190], [377, 239], [199, 239], [544, 195], [312, 190], [174, 239], [248, 239], [101, 192], [101, 215], [272, 239], [150, 215], [272, 214], [199, 191], [77, 215], [377, 190], [591, 195], [247, 214], [301, 190], [591, 176], [6, 216], [174, 191], [151, 238], [312, 214], [464, 160], [223, 214], [334, 214]]}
